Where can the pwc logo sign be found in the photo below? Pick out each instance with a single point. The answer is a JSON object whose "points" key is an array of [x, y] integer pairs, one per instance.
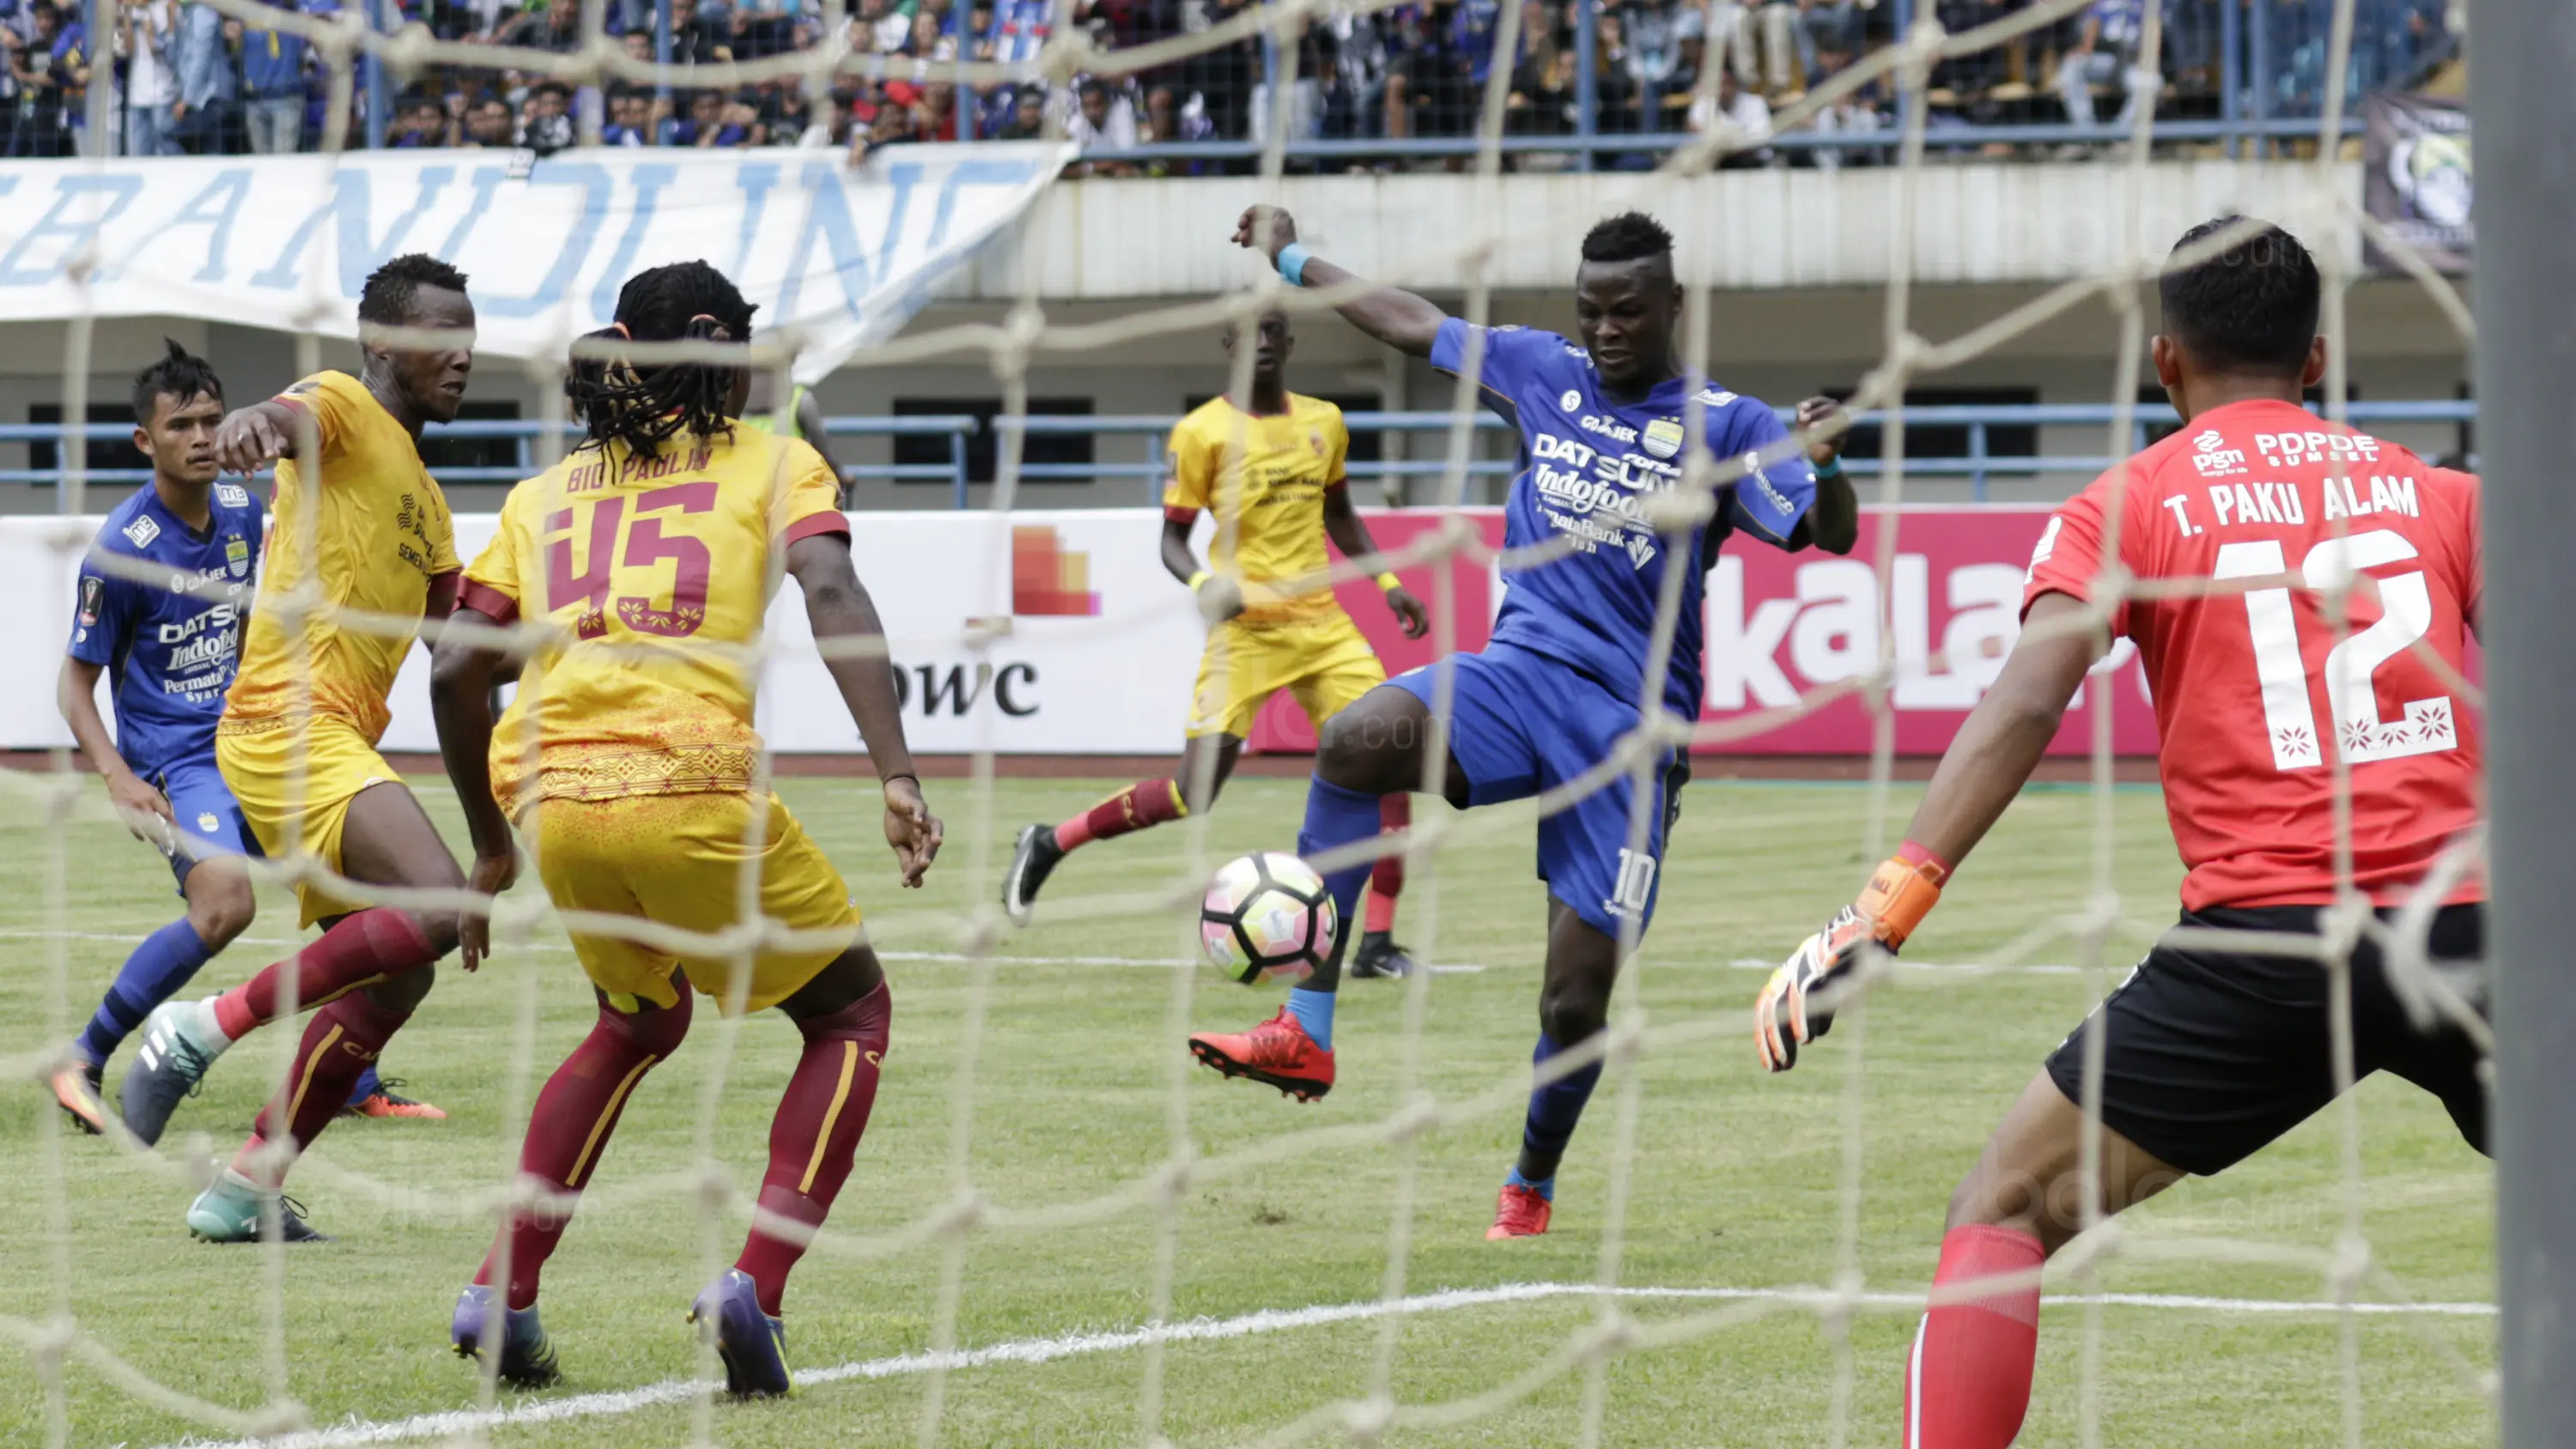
{"points": [[1048, 579]]}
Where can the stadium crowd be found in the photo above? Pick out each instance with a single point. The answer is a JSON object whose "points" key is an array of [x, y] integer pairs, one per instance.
{"points": [[186, 78]]}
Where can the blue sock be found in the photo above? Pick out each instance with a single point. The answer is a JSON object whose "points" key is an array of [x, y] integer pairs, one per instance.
{"points": [[1314, 1011], [1556, 1107], [365, 1087], [158, 967], [1545, 1187], [1338, 817]]}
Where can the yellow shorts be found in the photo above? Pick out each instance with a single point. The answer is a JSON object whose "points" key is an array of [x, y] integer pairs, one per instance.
{"points": [[288, 813], [678, 860], [1325, 662]]}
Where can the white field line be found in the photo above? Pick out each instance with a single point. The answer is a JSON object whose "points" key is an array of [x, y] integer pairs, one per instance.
{"points": [[1740, 963], [1196, 1330]]}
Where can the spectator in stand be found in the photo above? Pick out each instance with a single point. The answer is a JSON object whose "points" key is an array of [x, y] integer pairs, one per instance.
{"points": [[67, 76], [556, 27], [2105, 54], [1657, 37], [630, 110], [1027, 119], [787, 118], [273, 89], [879, 28], [1739, 117], [890, 125], [206, 116], [39, 130], [151, 81], [762, 27], [1355, 76], [418, 121], [545, 118], [1543, 84], [1101, 118], [488, 123], [1221, 78], [1829, 35]]}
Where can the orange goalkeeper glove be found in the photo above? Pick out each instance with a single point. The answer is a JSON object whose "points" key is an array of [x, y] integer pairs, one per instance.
{"points": [[1797, 1004]]}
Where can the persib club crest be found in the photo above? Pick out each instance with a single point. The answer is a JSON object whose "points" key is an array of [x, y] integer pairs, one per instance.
{"points": [[1664, 437], [237, 556], [208, 823]]}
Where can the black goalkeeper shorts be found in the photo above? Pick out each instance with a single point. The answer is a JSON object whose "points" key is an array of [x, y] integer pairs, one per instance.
{"points": [[2213, 1055]]}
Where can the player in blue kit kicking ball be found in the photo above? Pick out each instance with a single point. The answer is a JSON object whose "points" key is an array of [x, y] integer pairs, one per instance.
{"points": [[163, 594], [1603, 427]]}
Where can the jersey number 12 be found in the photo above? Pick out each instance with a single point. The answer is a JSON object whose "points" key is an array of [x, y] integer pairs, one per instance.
{"points": [[2407, 613]]}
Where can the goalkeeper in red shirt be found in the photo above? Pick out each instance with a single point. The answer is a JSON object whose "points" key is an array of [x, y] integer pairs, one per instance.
{"points": [[2235, 534]]}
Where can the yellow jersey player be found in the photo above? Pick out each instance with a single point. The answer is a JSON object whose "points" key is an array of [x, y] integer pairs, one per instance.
{"points": [[359, 521], [629, 758], [1273, 476]]}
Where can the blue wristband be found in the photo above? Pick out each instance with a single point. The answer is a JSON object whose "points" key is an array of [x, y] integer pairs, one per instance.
{"points": [[1830, 468], [1292, 263]]}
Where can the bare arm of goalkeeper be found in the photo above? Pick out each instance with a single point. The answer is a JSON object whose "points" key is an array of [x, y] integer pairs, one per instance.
{"points": [[1393, 316], [1981, 772]]}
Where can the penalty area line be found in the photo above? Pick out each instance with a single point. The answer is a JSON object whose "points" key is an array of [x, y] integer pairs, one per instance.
{"points": [[530, 1412]]}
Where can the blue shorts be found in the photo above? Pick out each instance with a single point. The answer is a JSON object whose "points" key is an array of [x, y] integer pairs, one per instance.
{"points": [[204, 820], [1522, 723]]}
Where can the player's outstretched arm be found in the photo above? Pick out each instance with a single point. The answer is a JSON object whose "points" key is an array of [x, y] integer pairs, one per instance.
{"points": [[462, 674], [1350, 533], [76, 694], [250, 438], [1393, 316], [838, 608], [1979, 775], [1833, 520]]}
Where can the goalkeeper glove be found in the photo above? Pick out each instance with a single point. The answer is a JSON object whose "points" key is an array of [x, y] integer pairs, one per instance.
{"points": [[1797, 1004]]}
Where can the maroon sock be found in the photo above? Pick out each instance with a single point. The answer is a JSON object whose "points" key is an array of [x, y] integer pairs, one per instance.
{"points": [[339, 1042], [368, 947], [1145, 803], [1968, 1384], [569, 1131], [1386, 878], [816, 1133]]}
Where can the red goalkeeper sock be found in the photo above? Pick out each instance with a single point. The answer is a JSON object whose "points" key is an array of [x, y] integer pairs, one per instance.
{"points": [[569, 1131], [1386, 878], [816, 1133], [1145, 803], [368, 947], [1968, 1383], [339, 1043]]}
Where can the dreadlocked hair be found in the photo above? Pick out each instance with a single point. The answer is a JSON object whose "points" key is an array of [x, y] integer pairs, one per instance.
{"points": [[645, 405]]}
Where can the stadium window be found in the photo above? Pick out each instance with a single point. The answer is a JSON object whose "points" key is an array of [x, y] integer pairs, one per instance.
{"points": [[438, 452], [1365, 445], [1064, 449], [104, 453], [1950, 440]]}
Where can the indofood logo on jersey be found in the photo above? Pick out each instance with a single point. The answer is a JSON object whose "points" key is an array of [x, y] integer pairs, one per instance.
{"points": [[1592, 500]]}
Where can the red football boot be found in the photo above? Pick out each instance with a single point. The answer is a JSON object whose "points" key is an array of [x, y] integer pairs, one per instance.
{"points": [[1519, 1213], [1277, 1052]]}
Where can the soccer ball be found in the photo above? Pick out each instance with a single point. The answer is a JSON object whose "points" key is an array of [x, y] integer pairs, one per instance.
{"points": [[1267, 915]]}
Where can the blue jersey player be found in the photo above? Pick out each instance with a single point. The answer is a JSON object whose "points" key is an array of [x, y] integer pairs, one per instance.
{"points": [[163, 595], [1570, 666]]}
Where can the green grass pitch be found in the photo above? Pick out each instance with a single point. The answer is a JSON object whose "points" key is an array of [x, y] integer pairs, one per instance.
{"points": [[1735, 1181]]}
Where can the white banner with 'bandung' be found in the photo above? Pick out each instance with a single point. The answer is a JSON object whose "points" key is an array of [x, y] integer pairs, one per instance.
{"points": [[844, 256]]}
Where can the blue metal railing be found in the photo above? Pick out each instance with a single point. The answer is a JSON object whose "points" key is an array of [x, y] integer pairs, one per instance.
{"points": [[2242, 71], [1978, 462]]}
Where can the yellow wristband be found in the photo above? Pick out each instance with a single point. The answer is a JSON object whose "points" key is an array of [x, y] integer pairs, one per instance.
{"points": [[1197, 579], [1389, 581]]}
